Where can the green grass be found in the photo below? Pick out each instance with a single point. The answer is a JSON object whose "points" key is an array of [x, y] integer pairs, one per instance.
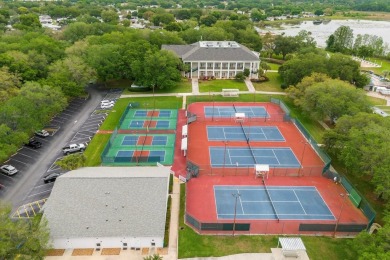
{"points": [[384, 108], [272, 85], [374, 101], [95, 149], [184, 86], [273, 66], [192, 244], [112, 120], [385, 65], [218, 85]]}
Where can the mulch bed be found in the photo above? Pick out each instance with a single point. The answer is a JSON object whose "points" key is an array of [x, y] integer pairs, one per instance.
{"points": [[55, 252], [111, 251], [83, 251]]}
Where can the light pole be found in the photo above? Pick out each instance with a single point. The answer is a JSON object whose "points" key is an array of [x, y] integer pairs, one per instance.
{"points": [[345, 196], [224, 158], [236, 196], [303, 154]]}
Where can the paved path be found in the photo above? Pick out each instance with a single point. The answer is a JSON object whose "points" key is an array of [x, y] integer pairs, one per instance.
{"points": [[377, 95], [250, 86], [174, 225], [195, 86]]}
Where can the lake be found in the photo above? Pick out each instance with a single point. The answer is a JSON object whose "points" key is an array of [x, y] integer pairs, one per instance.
{"points": [[321, 32]]}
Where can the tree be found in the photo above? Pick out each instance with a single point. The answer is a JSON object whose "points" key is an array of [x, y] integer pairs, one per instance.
{"points": [[341, 40], [28, 22], [9, 84], [72, 161], [285, 45], [294, 70], [318, 12], [110, 16], [23, 238], [164, 18], [269, 44], [208, 20], [71, 74], [159, 70], [333, 98]]}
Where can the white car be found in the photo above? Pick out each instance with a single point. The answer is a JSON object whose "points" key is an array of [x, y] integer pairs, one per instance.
{"points": [[42, 133], [8, 169], [104, 106], [106, 102]]}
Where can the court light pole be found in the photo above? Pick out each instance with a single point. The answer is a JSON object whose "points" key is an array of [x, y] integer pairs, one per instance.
{"points": [[236, 196], [224, 158], [345, 196], [303, 154]]}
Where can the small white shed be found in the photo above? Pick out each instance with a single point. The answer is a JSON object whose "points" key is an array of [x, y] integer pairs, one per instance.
{"points": [[184, 146]]}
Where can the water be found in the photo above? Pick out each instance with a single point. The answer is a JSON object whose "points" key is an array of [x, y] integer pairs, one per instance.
{"points": [[322, 31]]}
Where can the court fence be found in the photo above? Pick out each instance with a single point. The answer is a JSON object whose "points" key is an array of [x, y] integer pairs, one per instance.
{"points": [[274, 117], [124, 114], [359, 200], [194, 170], [283, 106], [104, 156], [271, 227]]}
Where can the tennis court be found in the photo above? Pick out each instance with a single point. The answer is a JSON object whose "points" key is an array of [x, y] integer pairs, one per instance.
{"points": [[154, 113], [251, 133], [244, 157], [140, 156], [230, 111], [151, 124], [271, 202], [142, 140], [139, 119]]}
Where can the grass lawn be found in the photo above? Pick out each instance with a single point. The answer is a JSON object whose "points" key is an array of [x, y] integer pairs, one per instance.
{"points": [[272, 85], [377, 101], [273, 66], [184, 86], [218, 85], [385, 65], [384, 108], [95, 149], [192, 244]]}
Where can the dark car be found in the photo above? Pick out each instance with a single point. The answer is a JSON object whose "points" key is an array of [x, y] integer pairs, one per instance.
{"points": [[34, 144], [51, 177]]}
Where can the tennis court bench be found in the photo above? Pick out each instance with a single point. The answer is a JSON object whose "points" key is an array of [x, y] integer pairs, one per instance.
{"points": [[230, 92]]}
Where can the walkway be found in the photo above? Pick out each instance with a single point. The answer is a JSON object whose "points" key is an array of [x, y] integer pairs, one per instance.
{"points": [[250, 86]]}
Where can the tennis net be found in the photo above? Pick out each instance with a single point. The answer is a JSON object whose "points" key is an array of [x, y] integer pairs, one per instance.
{"points": [[252, 153], [269, 197], [243, 130]]}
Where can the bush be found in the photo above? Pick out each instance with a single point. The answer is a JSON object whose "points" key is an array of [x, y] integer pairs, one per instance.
{"points": [[167, 222], [240, 76], [284, 86]]}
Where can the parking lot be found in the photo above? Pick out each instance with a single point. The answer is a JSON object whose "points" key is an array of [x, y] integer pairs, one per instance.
{"points": [[26, 157]]}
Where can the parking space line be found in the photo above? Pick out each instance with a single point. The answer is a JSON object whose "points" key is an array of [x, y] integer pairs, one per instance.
{"points": [[32, 195], [24, 155], [31, 149], [43, 185], [26, 211], [19, 161], [12, 179]]}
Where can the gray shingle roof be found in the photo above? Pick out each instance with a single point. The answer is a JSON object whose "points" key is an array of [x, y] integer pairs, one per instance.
{"points": [[195, 52], [109, 202]]}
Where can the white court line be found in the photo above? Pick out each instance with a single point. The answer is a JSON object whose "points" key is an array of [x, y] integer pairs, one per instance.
{"points": [[276, 156], [299, 202]]}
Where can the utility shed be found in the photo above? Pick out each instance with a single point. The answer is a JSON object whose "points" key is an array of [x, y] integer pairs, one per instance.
{"points": [[108, 207]]}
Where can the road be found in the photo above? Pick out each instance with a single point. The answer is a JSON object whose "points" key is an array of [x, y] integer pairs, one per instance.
{"points": [[16, 194]]}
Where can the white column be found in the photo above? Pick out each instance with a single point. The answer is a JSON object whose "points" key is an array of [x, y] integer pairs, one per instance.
{"points": [[235, 69], [191, 70], [228, 72], [213, 68], [220, 70]]}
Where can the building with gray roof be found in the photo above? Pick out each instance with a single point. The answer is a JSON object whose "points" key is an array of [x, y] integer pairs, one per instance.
{"points": [[109, 207], [218, 59]]}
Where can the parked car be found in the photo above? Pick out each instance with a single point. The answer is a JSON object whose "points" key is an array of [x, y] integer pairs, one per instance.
{"points": [[42, 133], [104, 106], [107, 101], [51, 177], [34, 144], [8, 169]]}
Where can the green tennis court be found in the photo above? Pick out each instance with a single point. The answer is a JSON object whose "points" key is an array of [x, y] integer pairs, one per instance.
{"points": [[159, 119], [131, 150]]}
